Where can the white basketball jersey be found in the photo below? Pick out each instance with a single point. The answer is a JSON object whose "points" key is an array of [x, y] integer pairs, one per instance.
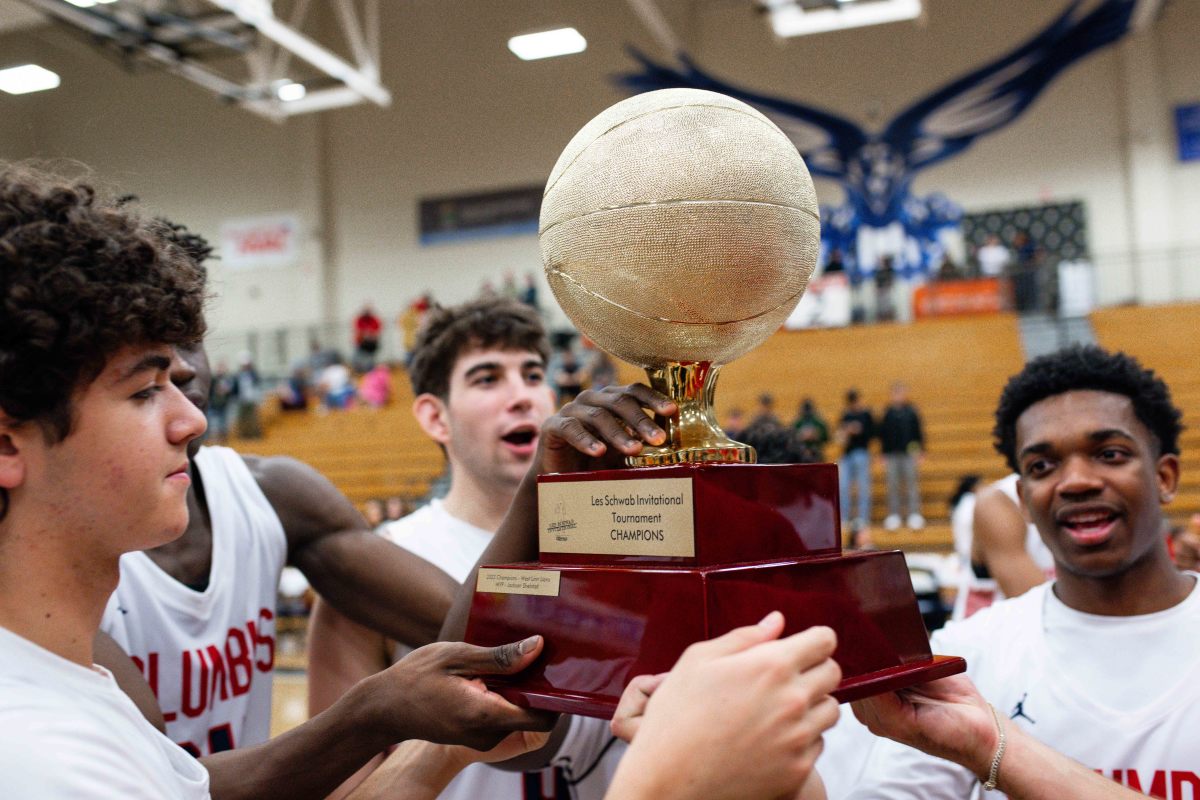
{"points": [[1117, 694], [209, 655], [976, 593]]}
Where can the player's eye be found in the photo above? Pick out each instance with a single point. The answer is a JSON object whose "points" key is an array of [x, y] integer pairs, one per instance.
{"points": [[148, 392]]}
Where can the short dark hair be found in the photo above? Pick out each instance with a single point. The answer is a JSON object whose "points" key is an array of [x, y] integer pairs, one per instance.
{"points": [[81, 276], [447, 333], [1081, 368]]}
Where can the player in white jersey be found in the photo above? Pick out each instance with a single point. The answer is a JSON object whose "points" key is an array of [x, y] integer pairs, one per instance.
{"points": [[1002, 554], [93, 465], [197, 615], [1100, 664], [478, 373]]}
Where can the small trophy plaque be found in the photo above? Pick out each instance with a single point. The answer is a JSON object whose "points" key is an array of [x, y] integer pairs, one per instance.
{"points": [[678, 230]]}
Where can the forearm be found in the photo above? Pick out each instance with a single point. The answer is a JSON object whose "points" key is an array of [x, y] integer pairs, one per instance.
{"points": [[340, 654], [377, 584], [417, 770], [307, 762], [516, 541], [1032, 771]]}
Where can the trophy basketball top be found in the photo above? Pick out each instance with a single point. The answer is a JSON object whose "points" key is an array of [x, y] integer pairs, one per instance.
{"points": [[679, 226], [678, 231]]}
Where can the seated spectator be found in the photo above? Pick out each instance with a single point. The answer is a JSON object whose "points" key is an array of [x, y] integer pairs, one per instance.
{"points": [[375, 388], [948, 270], [765, 414], [395, 507], [811, 431], [336, 386], [735, 423], [600, 370], [373, 512], [293, 393], [568, 378]]}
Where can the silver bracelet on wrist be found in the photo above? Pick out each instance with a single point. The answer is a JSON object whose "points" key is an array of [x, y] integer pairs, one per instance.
{"points": [[990, 783]]}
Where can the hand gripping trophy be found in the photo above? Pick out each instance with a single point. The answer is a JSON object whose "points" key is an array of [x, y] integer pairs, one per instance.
{"points": [[679, 229]]}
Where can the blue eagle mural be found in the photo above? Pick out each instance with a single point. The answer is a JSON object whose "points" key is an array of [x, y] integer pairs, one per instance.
{"points": [[877, 168]]}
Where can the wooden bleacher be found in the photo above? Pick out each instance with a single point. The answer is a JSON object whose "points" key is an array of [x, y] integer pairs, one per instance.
{"points": [[1164, 338], [955, 368]]}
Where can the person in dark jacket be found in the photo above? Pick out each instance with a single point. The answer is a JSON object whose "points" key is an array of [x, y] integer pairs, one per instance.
{"points": [[903, 445], [855, 431]]}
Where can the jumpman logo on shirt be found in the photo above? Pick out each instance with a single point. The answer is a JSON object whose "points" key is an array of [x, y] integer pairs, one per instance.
{"points": [[1019, 710]]}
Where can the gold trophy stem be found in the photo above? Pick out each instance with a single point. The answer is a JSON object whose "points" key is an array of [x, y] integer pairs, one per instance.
{"points": [[693, 435]]}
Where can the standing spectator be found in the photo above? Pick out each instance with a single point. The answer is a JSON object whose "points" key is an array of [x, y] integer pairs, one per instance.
{"points": [[1025, 276], [529, 295], [811, 431], [855, 431], [885, 291], [903, 446], [247, 391], [375, 388], [508, 289], [568, 378], [994, 257], [367, 329], [219, 394]]}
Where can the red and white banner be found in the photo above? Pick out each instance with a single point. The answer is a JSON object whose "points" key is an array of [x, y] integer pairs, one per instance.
{"points": [[260, 242]]}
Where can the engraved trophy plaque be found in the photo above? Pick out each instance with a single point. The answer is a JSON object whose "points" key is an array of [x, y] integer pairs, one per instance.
{"points": [[678, 230]]}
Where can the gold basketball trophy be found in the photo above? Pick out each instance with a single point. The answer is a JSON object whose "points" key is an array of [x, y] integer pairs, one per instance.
{"points": [[679, 229]]}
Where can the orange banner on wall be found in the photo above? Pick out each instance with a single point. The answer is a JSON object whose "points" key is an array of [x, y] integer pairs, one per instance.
{"points": [[953, 298]]}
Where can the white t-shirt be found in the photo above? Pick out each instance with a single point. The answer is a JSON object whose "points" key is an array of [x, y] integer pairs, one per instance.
{"points": [[1117, 694], [975, 593], [587, 759], [69, 732], [209, 656]]}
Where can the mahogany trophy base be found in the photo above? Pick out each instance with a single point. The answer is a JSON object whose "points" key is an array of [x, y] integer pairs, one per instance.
{"points": [[605, 623]]}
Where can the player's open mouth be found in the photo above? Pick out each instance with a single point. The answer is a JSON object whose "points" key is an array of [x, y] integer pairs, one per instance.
{"points": [[521, 440], [1088, 526]]}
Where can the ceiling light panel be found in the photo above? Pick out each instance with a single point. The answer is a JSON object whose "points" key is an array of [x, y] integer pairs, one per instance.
{"points": [[27, 78], [547, 44]]}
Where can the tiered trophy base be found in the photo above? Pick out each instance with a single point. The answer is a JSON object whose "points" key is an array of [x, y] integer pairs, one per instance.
{"points": [[605, 623]]}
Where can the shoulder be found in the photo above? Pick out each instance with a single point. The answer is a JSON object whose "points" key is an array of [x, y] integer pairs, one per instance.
{"points": [[308, 505], [1000, 628]]}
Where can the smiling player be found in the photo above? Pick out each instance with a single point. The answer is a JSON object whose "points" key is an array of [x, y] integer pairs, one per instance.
{"points": [[1100, 664]]}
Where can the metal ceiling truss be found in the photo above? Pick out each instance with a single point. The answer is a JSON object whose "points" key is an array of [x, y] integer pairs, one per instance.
{"points": [[241, 50]]}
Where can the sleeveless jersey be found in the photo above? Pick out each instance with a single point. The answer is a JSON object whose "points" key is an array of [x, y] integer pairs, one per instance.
{"points": [[975, 593], [209, 656], [1117, 694]]}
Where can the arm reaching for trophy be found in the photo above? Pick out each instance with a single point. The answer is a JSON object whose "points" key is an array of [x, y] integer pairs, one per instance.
{"points": [[595, 431], [948, 718], [739, 716]]}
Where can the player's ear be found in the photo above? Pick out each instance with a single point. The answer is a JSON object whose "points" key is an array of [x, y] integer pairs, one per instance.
{"points": [[431, 413], [1167, 473], [12, 461]]}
